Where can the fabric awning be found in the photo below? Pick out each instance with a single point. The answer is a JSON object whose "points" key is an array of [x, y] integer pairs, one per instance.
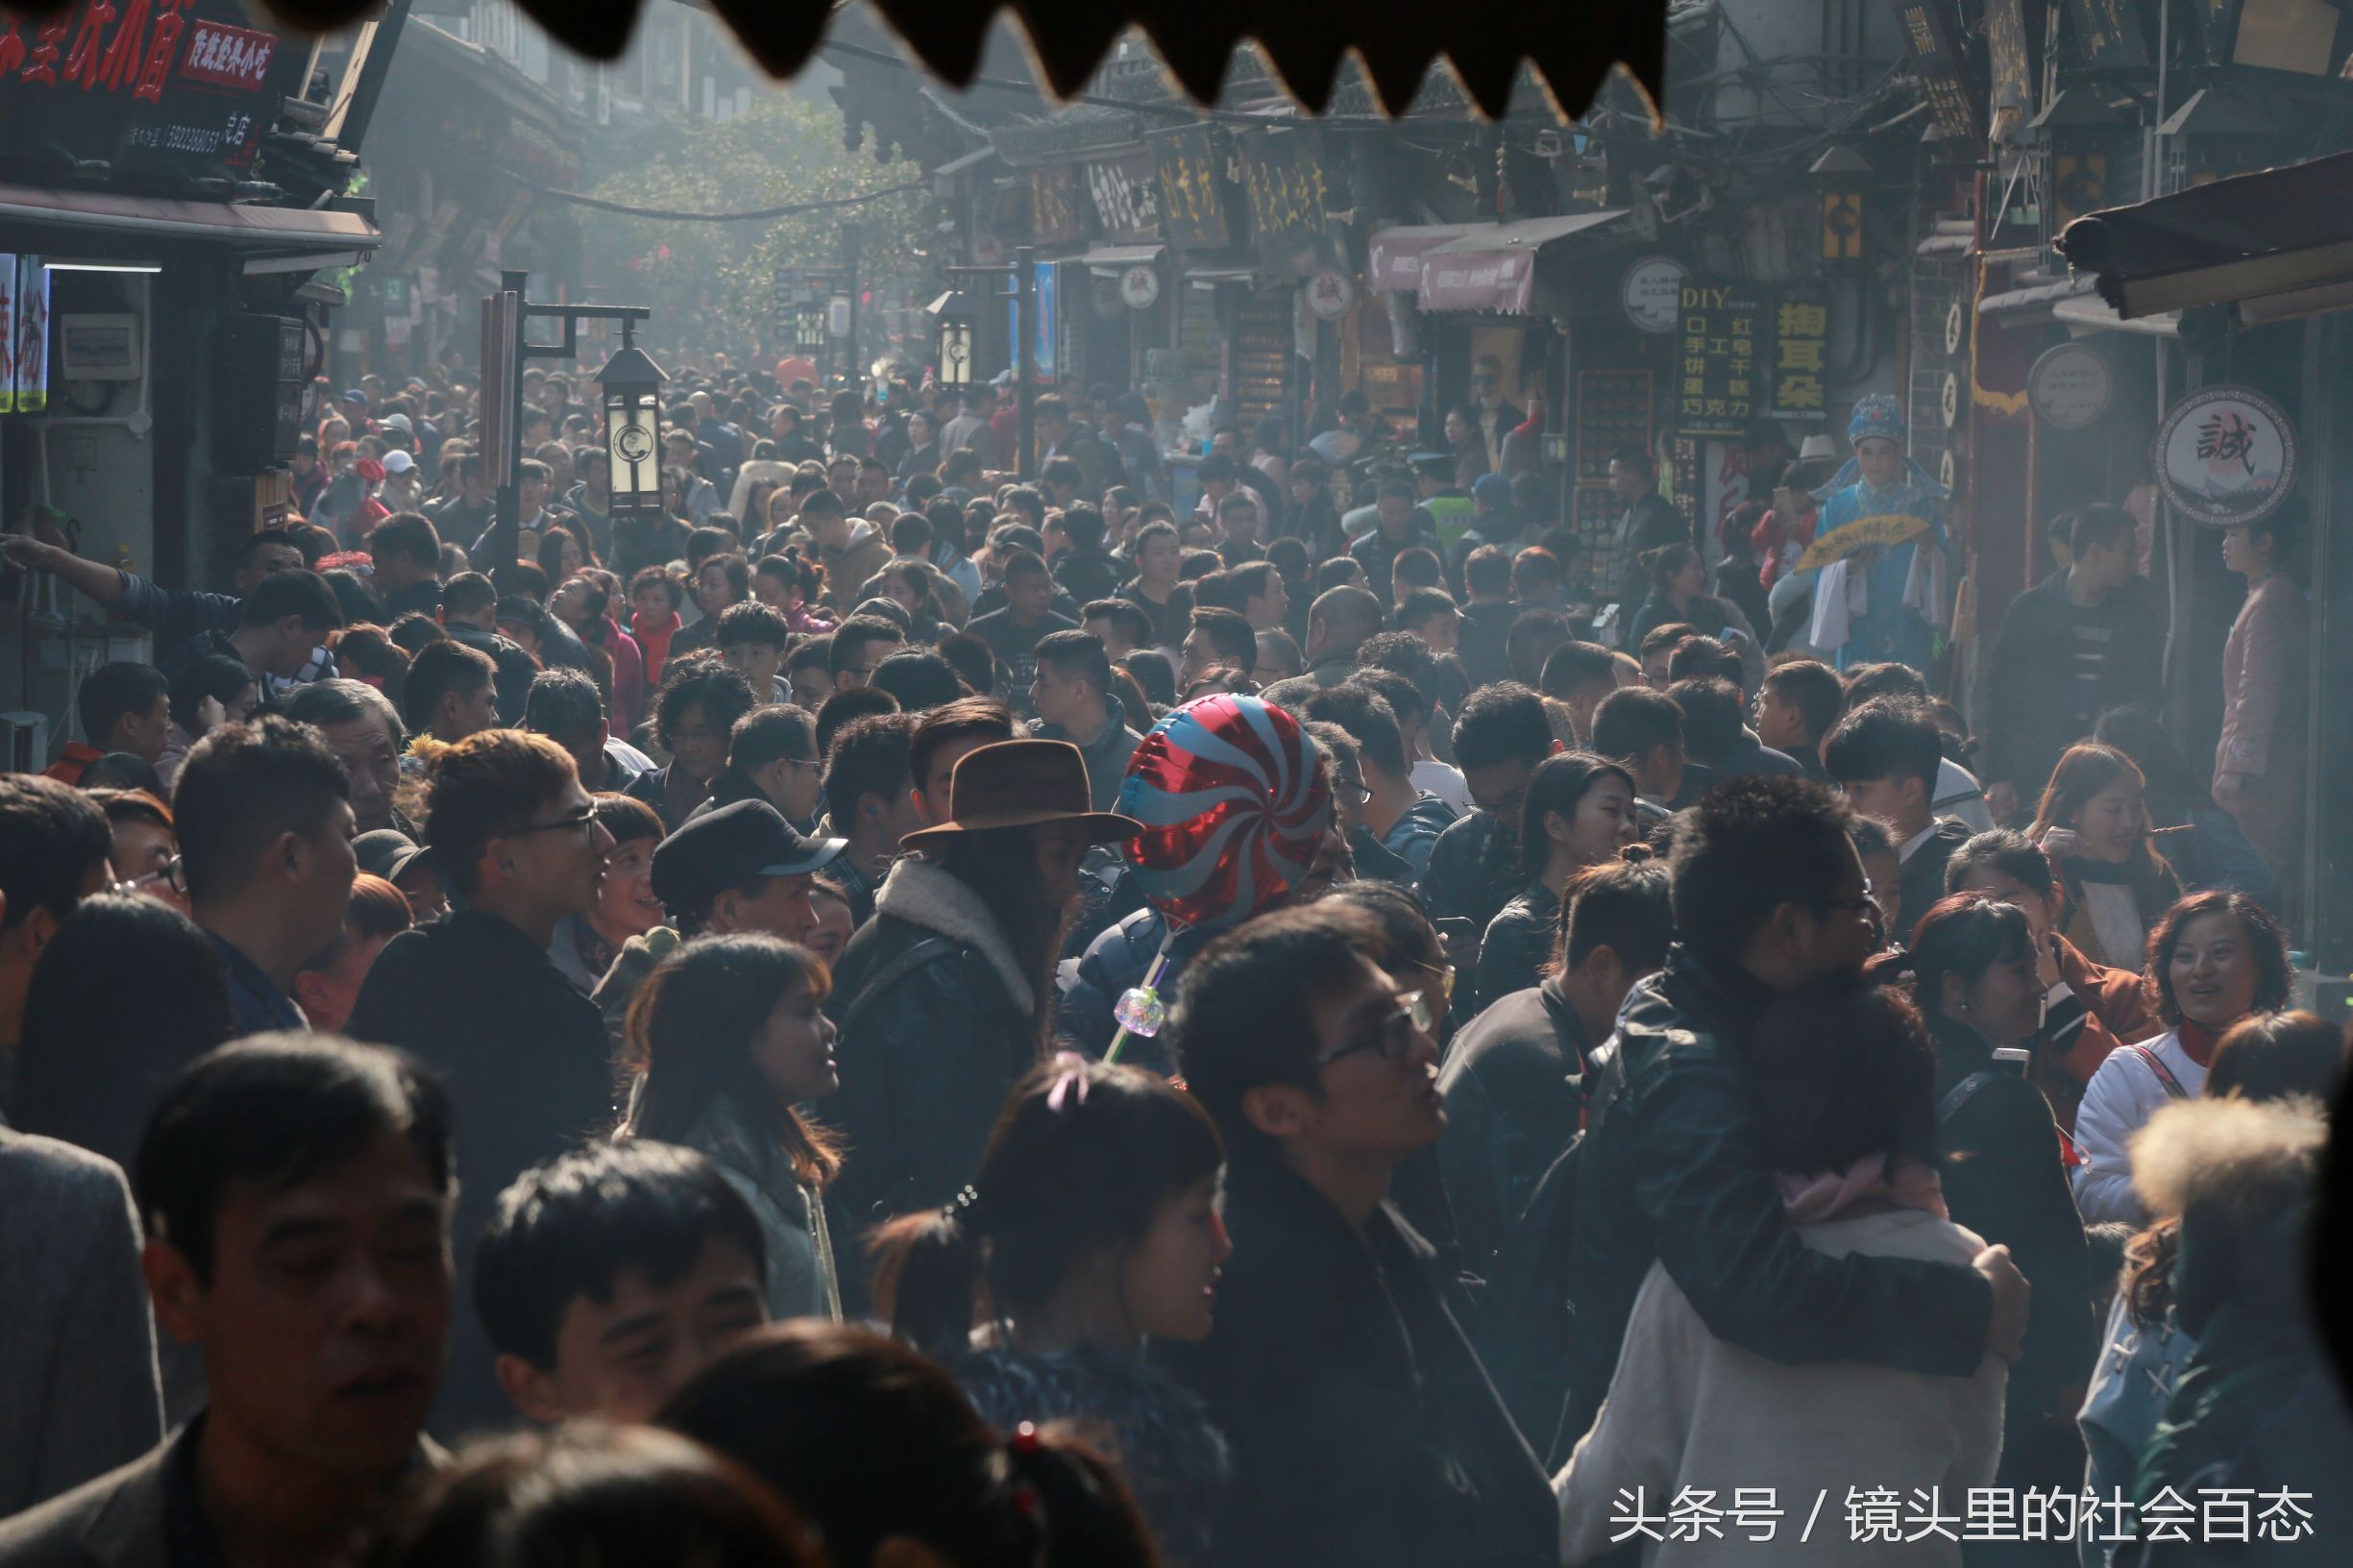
{"points": [[1397, 41], [1111, 260], [2277, 232], [290, 229], [1492, 269], [1396, 265]]}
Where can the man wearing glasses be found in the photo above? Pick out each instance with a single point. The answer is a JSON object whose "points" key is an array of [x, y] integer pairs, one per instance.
{"points": [[1364, 1429], [476, 995]]}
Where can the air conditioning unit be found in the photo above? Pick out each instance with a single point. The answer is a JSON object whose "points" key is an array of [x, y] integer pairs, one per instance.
{"points": [[24, 742]]}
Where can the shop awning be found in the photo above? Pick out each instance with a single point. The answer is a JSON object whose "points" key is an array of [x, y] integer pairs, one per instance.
{"points": [[2278, 232], [1111, 260], [1396, 265], [1492, 268], [276, 228]]}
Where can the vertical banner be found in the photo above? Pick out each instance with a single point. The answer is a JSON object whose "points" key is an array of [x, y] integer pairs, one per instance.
{"points": [[1046, 363], [32, 335], [8, 335], [1801, 332], [501, 313]]}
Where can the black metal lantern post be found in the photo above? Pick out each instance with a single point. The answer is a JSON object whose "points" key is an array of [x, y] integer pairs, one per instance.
{"points": [[953, 338], [632, 386]]}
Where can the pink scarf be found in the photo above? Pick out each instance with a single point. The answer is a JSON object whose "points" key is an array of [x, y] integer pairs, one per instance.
{"points": [[1810, 1200]]}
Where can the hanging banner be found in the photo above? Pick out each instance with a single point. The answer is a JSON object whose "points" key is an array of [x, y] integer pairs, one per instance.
{"points": [[1940, 59], [1191, 190], [1126, 196], [1721, 351], [1282, 181], [1053, 204], [2226, 456], [32, 335], [8, 335]]}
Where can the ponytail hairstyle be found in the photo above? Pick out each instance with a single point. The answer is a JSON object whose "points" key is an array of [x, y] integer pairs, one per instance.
{"points": [[867, 1440], [1083, 1155], [690, 1032]]}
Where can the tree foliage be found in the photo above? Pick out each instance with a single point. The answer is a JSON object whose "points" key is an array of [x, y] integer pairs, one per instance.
{"points": [[715, 281]]}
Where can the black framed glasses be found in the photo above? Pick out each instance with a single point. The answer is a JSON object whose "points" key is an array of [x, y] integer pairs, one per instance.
{"points": [[577, 820], [1867, 904], [1393, 1035], [169, 874]]}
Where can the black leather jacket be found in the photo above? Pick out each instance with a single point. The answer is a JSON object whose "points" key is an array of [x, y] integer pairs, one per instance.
{"points": [[1673, 1171]]}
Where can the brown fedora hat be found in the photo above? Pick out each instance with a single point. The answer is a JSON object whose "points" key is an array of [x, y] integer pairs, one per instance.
{"points": [[1025, 784]]}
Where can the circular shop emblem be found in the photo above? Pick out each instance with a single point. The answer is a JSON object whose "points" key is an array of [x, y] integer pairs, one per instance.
{"points": [[2225, 456], [1330, 295], [2069, 386], [634, 443], [1140, 287], [1652, 293]]}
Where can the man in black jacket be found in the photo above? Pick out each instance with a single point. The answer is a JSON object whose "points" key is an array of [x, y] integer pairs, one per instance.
{"points": [[1767, 896], [477, 996], [2071, 648], [1365, 1433], [1885, 755]]}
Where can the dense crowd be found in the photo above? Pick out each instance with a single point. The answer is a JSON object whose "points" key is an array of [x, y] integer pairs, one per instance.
{"points": [[682, 1013]]}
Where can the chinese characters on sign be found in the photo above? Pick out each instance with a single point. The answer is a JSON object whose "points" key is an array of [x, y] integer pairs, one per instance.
{"points": [[1801, 333], [159, 89], [1193, 203], [1722, 359], [1126, 192], [1053, 204], [1282, 178], [2226, 456], [1941, 61]]}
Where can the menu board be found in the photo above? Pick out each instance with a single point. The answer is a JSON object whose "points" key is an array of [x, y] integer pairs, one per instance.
{"points": [[1614, 410], [1723, 341]]}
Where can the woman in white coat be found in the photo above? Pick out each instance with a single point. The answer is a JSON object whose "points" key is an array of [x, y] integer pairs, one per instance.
{"points": [[2213, 958]]}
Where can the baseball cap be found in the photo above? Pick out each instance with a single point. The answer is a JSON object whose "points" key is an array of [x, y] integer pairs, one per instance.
{"points": [[520, 609], [396, 421], [386, 852], [728, 846], [1492, 488], [397, 461], [354, 394]]}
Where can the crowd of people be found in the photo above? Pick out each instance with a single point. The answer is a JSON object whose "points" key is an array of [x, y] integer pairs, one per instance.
{"points": [[675, 1016]]}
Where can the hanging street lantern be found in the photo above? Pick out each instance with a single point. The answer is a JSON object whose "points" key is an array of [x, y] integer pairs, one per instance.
{"points": [[1839, 174], [809, 322], [953, 337], [632, 387]]}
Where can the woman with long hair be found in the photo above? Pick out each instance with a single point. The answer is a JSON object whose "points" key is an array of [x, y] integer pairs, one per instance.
{"points": [[2090, 1008], [880, 1450], [946, 996], [1971, 962], [1844, 1111], [729, 1036], [2093, 824], [1089, 1229], [2201, 842], [2213, 959], [208, 692], [1679, 596], [564, 554], [1580, 814]]}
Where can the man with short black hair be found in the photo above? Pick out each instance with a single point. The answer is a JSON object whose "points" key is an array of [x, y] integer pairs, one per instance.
{"points": [[1364, 1429], [1643, 731], [851, 551], [1768, 897], [405, 551], [1072, 698], [566, 707], [517, 839], [451, 692], [280, 625], [1649, 521], [1487, 613], [1797, 707], [870, 803], [470, 615], [771, 756], [264, 819], [1121, 627], [124, 706], [1885, 755], [176, 615], [1578, 678], [1082, 568], [611, 1275], [855, 650], [1403, 820], [295, 1191], [1716, 743], [1012, 633], [752, 638], [54, 845], [1217, 636], [939, 739], [1474, 869]]}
